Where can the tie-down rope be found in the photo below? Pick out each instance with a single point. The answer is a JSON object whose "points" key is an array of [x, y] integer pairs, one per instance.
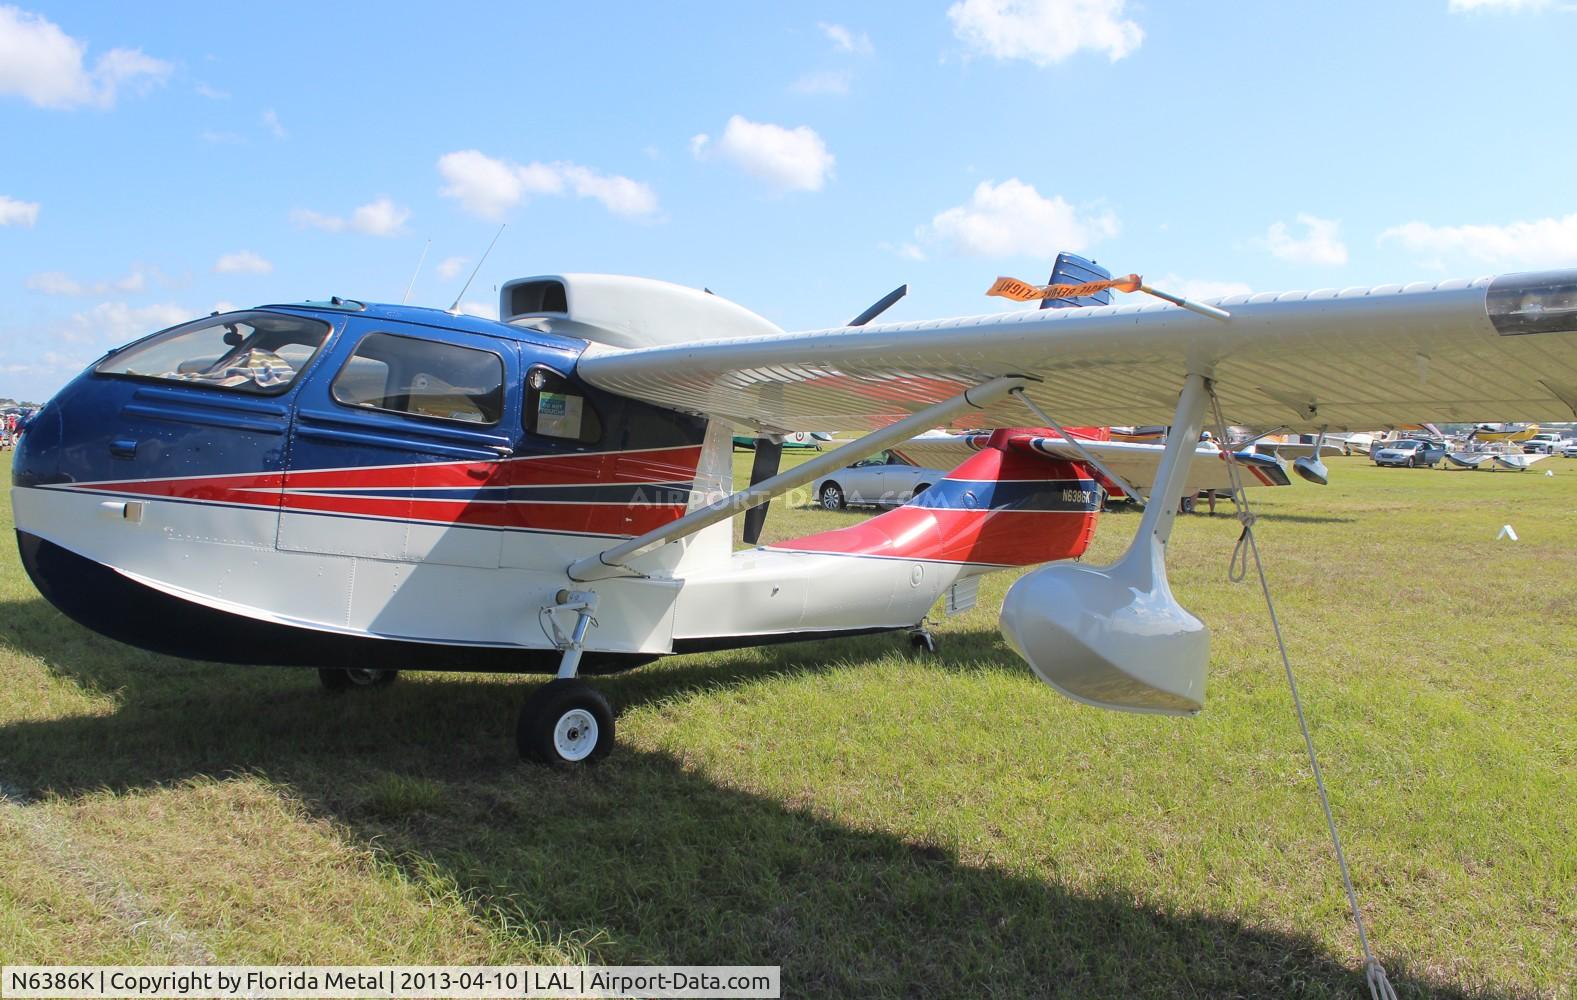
{"points": [[1379, 986]]}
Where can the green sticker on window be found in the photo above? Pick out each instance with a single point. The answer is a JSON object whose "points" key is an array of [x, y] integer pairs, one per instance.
{"points": [[558, 414]]}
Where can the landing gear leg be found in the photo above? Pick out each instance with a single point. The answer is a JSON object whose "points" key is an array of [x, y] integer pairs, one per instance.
{"points": [[922, 639], [566, 721]]}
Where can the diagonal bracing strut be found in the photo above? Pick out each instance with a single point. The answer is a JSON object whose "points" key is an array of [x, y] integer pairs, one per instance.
{"points": [[614, 562]]}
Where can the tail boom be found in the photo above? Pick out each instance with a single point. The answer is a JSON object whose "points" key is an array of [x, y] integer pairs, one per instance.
{"points": [[1003, 506]]}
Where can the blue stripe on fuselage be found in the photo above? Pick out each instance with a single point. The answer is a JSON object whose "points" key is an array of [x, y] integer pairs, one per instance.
{"points": [[990, 494]]}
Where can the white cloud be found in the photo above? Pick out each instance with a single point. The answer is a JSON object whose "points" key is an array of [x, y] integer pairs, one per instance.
{"points": [[619, 195], [117, 322], [831, 81], [1045, 31], [489, 187], [483, 185], [271, 122], [486, 310], [42, 64], [18, 213], [908, 251], [381, 217], [60, 283], [1196, 288], [242, 262], [451, 266], [1012, 218], [790, 159], [212, 93], [1321, 243], [49, 364], [845, 40], [1544, 242]]}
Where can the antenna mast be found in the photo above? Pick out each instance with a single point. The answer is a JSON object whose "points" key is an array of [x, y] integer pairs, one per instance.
{"points": [[419, 261], [455, 309]]}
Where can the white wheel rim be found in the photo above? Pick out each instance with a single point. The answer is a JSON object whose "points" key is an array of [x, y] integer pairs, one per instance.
{"points": [[575, 734], [831, 497]]}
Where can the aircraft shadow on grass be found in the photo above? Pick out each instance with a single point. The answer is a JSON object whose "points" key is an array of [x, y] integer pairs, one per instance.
{"points": [[625, 859]]}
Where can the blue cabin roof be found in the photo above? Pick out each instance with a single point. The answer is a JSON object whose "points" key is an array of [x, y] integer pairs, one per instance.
{"points": [[428, 316]]}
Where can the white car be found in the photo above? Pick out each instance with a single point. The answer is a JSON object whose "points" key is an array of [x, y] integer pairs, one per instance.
{"points": [[1570, 450], [1543, 443], [883, 480]]}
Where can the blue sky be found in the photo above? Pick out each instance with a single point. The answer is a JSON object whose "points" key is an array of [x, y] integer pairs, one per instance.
{"points": [[162, 160]]}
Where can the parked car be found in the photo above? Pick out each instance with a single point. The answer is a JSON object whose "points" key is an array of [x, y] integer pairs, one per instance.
{"points": [[1570, 451], [1411, 453], [883, 480], [1543, 443]]}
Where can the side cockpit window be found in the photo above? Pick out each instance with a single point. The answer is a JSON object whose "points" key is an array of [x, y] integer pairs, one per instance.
{"points": [[256, 352], [557, 408], [424, 378]]}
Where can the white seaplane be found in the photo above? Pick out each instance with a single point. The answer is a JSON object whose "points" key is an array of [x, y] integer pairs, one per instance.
{"points": [[364, 488]]}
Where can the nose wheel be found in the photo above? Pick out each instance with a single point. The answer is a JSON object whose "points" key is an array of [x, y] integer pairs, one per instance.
{"points": [[565, 722]]}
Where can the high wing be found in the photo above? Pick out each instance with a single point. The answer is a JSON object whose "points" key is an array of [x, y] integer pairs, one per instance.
{"points": [[1137, 463], [1459, 350]]}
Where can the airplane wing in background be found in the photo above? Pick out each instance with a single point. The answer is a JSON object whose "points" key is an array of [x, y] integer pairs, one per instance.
{"points": [[1137, 463], [1455, 351]]}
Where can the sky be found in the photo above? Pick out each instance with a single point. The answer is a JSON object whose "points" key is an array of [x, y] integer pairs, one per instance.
{"points": [[160, 161]]}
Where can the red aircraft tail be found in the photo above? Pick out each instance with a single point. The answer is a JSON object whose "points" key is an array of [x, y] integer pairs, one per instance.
{"points": [[1007, 505]]}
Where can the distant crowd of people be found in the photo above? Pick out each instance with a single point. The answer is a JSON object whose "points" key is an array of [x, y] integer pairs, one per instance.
{"points": [[10, 429]]}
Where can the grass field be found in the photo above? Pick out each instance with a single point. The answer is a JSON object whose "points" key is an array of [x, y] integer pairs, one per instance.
{"points": [[878, 824]]}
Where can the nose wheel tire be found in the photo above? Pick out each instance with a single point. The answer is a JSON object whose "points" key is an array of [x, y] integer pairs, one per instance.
{"points": [[339, 679], [566, 722], [832, 497]]}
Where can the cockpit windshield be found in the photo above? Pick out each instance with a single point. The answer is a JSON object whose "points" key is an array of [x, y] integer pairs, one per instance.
{"points": [[259, 352]]}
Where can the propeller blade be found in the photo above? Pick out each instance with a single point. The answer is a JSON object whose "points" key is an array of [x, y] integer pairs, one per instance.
{"points": [[769, 455], [880, 306]]}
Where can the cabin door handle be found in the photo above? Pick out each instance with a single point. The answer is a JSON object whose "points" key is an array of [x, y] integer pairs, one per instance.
{"points": [[124, 448]]}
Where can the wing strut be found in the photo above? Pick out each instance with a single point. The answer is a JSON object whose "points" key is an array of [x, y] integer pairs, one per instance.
{"points": [[615, 561], [1106, 471]]}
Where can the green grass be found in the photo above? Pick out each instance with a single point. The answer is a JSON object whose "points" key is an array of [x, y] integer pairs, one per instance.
{"points": [[878, 824]]}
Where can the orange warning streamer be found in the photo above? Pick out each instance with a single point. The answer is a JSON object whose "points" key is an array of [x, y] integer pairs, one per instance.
{"points": [[1023, 291]]}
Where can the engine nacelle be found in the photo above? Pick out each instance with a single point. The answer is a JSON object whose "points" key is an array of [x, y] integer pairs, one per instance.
{"points": [[622, 311]]}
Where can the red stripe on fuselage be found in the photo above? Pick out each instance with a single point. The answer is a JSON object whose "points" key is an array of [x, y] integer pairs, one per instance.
{"points": [[272, 490], [992, 537], [600, 519]]}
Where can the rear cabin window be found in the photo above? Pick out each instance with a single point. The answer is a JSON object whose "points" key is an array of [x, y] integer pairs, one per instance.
{"points": [[255, 352], [556, 408], [423, 378]]}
